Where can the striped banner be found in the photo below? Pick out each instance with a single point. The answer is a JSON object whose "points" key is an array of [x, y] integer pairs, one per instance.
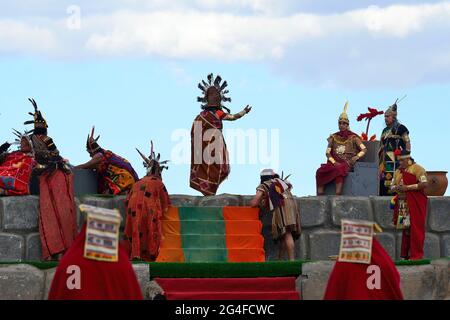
{"points": [[212, 234]]}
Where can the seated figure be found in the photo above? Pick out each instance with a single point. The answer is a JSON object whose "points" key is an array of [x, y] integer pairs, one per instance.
{"points": [[115, 174], [16, 167], [344, 149]]}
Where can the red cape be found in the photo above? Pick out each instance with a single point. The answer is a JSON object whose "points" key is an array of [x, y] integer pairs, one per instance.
{"points": [[348, 281], [99, 280]]}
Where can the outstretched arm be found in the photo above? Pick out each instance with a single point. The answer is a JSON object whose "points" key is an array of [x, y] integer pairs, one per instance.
{"points": [[91, 164], [233, 117]]}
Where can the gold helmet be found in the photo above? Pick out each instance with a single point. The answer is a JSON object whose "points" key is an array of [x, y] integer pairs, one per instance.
{"points": [[344, 117]]}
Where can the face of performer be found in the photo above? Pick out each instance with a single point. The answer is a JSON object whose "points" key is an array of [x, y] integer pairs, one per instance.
{"points": [[343, 126], [389, 118], [25, 145], [404, 163], [213, 97]]}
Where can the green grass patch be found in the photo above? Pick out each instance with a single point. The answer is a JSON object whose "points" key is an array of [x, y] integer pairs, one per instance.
{"points": [[43, 265], [413, 262], [225, 269]]}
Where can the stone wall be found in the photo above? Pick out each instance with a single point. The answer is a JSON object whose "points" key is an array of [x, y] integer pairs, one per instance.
{"points": [[320, 220], [426, 282]]}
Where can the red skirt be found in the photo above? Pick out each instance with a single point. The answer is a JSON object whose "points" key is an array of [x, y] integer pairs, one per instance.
{"points": [[57, 214], [328, 172]]}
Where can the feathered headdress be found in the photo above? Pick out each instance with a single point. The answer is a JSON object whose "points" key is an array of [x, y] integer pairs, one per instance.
{"points": [[213, 84], [393, 108], [368, 117], [25, 135], [92, 143], [152, 163], [37, 115]]}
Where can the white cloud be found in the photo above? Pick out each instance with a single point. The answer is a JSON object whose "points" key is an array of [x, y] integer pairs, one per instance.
{"points": [[20, 37], [359, 47]]}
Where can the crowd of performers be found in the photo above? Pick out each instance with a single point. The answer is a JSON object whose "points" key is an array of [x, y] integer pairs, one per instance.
{"points": [[147, 199]]}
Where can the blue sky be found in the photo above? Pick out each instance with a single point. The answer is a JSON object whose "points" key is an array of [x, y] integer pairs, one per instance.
{"points": [[132, 69]]}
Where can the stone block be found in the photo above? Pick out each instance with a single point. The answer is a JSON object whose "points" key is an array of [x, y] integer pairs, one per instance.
{"points": [[19, 213], [181, 200], [420, 282], [442, 269], [382, 212], [387, 241], [324, 243], [270, 247], [142, 272], [446, 245], [439, 214], [108, 202], [302, 247], [33, 247], [11, 247], [350, 208], [246, 200], [220, 201], [153, 289], [49, 275], [432, 248], [313, 211], [314, 279], [21, 282]]}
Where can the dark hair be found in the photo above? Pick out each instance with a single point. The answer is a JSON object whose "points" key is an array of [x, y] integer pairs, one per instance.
{"points": [[267, 178]]}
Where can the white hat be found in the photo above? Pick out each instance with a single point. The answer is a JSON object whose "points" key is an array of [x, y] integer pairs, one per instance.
{"points": [[267, 172]]}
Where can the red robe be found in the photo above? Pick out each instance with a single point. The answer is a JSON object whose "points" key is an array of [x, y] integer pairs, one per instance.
{"points": [[99, 280], [208, 174], [348, 281], [57, 214], [413, 238], [146, 203], [15, 173], [329, 172]]}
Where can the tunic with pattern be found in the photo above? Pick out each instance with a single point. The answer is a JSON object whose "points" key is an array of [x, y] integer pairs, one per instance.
{"points": [[146, 203], [286, 217]]}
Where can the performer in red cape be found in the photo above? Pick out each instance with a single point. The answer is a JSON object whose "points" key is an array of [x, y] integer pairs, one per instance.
{"points": [[57, 215], [410, 209], [16, 167], [209, 154], [147, 202], [115, 174], [342, 154], [364, 270], [96, 267]]}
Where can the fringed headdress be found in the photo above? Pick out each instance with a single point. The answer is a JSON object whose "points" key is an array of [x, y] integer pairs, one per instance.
{"points": [[92, 143], [38, 119], [25, 135], [217, 85], [153, 163]]}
